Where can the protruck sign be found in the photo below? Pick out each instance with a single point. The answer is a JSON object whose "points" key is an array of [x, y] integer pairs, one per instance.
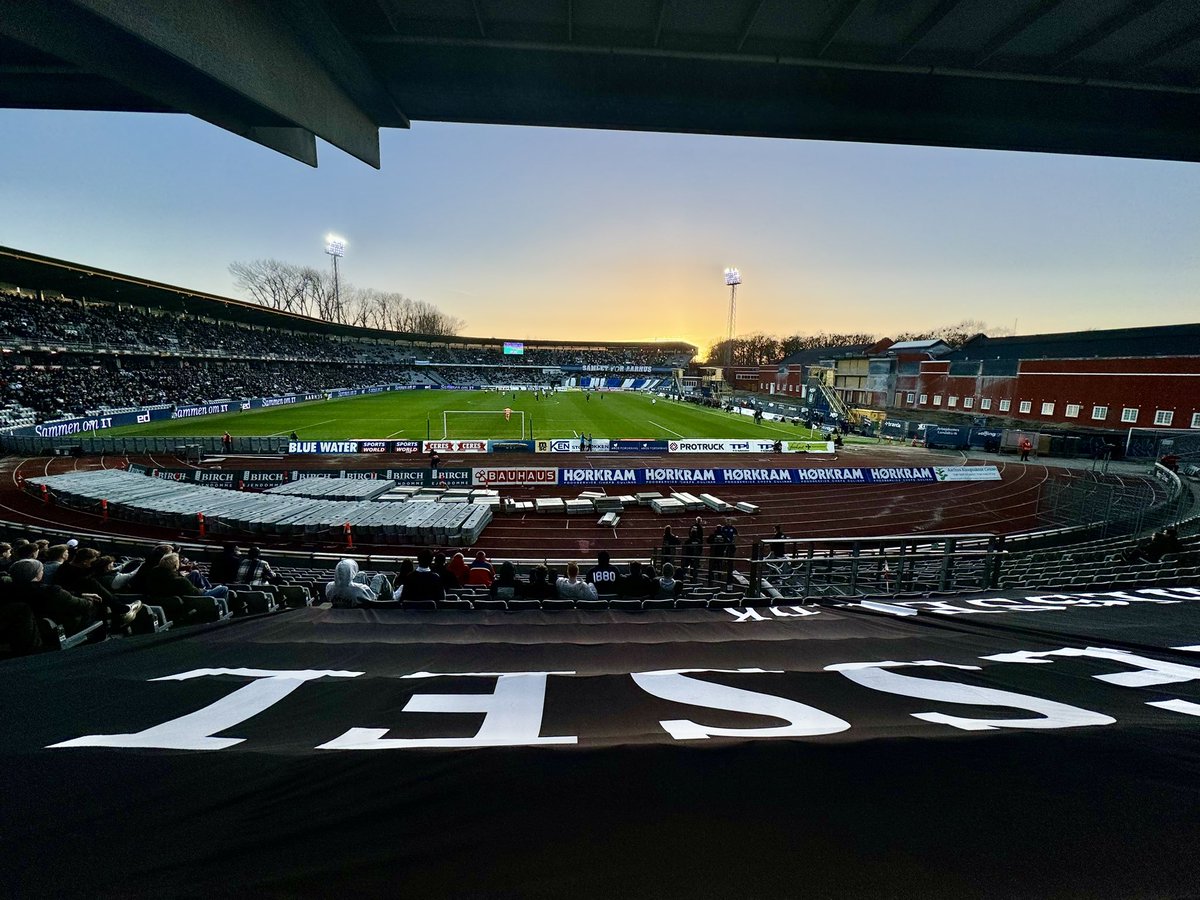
{"points": [[721, 446]]}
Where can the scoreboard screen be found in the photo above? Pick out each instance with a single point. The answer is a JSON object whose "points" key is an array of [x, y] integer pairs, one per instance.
{"points": [[514, 348]]}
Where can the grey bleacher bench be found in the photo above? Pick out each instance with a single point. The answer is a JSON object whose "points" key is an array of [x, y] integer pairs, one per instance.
{"points": [[745, 507], [609, 520]]}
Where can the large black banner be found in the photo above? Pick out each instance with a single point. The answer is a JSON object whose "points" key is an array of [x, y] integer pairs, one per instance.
{"points": [[1000, 745]]}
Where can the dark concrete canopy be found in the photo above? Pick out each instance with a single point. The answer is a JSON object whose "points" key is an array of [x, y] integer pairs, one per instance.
{"points": [[1095, 77]]}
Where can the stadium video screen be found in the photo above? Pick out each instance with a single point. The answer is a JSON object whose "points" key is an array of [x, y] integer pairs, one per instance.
{"points": [[514, 348]]}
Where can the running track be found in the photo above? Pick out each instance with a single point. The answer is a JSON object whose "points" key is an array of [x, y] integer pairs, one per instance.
{"points": [[1006, 506]]}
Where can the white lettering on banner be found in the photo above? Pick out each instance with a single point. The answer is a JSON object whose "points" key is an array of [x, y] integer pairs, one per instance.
{"points": [[746, 615], [733, 476], [1054, 715], [721, 446], [803, 720], [195, 731], [830, 474], [599, 476], [454, 446], [512, 717], [515, 476], [677, 476], [1150, 672]]}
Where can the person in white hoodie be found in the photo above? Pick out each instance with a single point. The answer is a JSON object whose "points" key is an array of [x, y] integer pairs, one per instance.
{"points": [[572, 587], [351, 588]]}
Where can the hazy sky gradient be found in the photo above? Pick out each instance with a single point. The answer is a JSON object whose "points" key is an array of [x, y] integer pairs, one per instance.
{"points": [[554, 233]]}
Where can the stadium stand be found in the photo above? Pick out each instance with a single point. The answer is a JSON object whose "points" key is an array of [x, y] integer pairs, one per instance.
{"points": [[70, 358]]}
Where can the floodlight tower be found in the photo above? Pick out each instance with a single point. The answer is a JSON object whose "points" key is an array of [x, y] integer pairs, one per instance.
{"points": [[336, 248], [732, 278]]}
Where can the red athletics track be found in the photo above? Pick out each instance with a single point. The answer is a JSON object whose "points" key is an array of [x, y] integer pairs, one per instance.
{"points": [[818, 510]]}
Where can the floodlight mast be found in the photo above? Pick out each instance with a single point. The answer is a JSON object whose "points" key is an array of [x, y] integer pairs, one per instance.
{"points": [[732, 278], [336, 248]]}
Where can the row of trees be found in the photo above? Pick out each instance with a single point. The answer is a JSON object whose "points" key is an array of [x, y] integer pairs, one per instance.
{"points": [[767, 349], [310, 292]]}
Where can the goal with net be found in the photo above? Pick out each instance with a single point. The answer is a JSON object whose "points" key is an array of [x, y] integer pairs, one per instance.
{"points": [[483, 423]]}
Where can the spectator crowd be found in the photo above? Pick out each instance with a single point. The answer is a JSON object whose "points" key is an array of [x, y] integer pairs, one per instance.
{"points": [[66, 358]]}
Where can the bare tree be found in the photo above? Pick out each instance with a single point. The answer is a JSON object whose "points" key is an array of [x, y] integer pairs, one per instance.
{"points": [[310, 291], [272, 283]]}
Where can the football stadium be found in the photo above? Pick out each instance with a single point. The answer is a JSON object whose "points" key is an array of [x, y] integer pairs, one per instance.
{"points": [[296, 601]]}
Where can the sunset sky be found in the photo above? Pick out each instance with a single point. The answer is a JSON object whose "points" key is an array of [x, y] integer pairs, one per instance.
{"points": [[554, 233]]}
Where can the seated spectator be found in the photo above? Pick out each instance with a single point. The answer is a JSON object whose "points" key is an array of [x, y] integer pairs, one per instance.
{"points": [[5, 555], [224, 568], [572, 587], [449, 582], [53, 558], [255, 570], [507, 586], [636, 585], [87, 572], [457, 568], [603, 576], [72, 612], [481, 571], [406, 569], [539, 587], [132, 578], [423, 583], [24, 550], [165, 580], [351, 587], [665, 586], [1164, 542]]}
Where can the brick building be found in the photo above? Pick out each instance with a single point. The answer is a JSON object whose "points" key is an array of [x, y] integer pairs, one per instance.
{"points": [[1119, 378]]}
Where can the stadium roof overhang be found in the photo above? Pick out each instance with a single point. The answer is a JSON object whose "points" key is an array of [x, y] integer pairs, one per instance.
{"points": [[30, 271], [1096, 77]]}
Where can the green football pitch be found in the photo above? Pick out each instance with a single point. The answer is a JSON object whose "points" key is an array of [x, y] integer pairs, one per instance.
{"points": [[408, 415]]}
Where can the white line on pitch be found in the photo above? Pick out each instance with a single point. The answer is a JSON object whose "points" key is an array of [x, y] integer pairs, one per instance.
{"points": [[665, 428], [394, 433]]}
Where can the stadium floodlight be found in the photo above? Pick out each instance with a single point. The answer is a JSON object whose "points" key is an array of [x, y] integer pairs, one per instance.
{"points": [[336, 248], [733, 277]]}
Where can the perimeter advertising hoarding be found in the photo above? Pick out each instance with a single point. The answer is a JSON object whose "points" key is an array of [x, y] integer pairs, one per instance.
{"points": [[822, 475], [355, 446], [809, 447], [637, 445], [530, 475], [716, 445], [557, 445], [454, 446], [513, 446]]}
